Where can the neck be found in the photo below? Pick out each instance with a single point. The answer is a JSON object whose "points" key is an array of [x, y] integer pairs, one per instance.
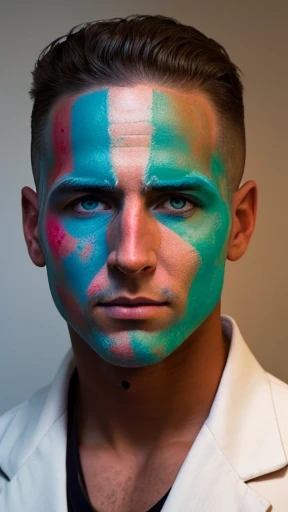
{"points": [[166, 401]]}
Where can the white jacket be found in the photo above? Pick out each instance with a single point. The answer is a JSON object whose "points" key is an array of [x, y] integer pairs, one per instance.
{"points": [[238, 462]]}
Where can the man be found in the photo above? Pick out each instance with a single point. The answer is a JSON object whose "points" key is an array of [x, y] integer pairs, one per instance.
{"points": [[138, 150]]}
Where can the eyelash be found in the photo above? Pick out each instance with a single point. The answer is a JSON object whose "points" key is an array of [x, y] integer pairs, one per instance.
{"points": [[74, 203]]}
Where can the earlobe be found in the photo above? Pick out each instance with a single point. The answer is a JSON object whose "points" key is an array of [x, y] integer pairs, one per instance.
{"points": [[244, 210], [30, 215]]}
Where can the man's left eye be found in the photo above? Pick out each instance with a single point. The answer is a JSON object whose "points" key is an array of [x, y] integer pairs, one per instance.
{"points": [[178, 204]]}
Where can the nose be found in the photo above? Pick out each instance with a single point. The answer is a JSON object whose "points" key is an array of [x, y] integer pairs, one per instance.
{"points": [[134, 239]]}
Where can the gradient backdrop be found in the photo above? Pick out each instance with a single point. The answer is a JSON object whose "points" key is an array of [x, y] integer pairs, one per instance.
{"points": [[34, 337]]}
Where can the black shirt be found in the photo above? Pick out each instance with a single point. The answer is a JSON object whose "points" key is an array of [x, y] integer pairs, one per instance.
{"points": [[77, 496]]}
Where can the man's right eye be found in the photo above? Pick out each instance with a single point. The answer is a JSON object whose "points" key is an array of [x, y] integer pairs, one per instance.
{"points": [[87, 205]]}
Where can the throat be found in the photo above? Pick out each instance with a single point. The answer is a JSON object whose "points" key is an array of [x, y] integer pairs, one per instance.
{"points": [[125, 384]]}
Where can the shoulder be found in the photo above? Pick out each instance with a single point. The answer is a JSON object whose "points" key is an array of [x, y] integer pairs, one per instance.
{"points": [[45, 405], [20, 422], [28, 425], [279, 391], [276, 383]]}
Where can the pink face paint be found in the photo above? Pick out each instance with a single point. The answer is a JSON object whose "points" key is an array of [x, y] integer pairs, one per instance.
{"points": [[70, 303], [60, 242], [122, 349], [61, 140], [86, 252]]}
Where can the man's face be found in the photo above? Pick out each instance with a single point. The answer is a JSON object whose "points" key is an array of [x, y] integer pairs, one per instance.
{"points": [[134, 202]]}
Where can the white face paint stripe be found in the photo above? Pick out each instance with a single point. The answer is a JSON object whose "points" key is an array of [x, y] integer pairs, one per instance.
{"points": [[130, 105], [130, 115]]}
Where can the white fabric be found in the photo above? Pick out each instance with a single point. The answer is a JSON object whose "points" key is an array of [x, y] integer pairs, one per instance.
{"points": [[238, 462]]}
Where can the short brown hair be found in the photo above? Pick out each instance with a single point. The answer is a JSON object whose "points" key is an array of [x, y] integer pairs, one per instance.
{"points": [[126, 51]]}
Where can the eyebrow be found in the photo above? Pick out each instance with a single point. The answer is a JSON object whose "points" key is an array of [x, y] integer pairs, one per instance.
{"points": [[71, 186], [193, 183]]}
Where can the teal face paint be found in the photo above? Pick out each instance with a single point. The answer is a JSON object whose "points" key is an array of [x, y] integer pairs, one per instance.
{"points": [[83, 163], [206, 231], [133, 140]]}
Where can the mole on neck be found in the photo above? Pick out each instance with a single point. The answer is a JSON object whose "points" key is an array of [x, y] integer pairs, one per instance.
{"points": [[125, 384]]}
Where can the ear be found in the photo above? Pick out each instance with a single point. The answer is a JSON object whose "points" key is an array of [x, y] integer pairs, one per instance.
{"points": [[244, 209], [30, 215]]}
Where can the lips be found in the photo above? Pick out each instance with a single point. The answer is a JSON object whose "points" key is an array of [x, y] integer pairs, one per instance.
{"points": [[136, 308], [132, 302]]}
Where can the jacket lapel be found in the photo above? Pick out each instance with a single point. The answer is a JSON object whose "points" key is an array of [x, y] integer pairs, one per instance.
{"points": [[39, 485], [208, 483]]}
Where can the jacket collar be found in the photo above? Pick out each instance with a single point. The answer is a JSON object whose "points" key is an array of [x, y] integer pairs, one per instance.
{"points": [[240, 439], [29, 423], [208, 482], [244, 410]]}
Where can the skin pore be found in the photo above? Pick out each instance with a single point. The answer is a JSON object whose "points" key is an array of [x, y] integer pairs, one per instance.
{"points": [[134, 200]]}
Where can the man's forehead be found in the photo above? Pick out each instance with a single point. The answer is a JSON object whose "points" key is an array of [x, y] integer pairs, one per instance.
{"points": [[133, 104], [144, 103], [121, 126]]}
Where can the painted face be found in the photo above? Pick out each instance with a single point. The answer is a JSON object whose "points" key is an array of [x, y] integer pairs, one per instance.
{"points": [[132, 178]]}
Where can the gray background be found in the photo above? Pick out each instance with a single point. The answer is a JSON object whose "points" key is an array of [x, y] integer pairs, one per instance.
{"points": [[34, 338]]}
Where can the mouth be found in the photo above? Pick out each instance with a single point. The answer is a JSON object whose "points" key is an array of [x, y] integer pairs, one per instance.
{"points": [[140, 308]]}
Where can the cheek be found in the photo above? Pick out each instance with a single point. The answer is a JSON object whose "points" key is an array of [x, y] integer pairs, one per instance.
{"points": [[179, 258], [212, 245], [86, 252], [60, 243], [98, 284], [74, 263], [68, 304]]}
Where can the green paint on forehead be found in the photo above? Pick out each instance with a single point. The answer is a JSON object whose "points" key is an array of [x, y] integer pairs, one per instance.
{"points": [[172, 146], [165, 123], [166, 135]]}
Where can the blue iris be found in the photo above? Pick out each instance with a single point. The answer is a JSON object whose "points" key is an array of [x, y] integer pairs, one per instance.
{"points": [[177, 200], [89, 204]]}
